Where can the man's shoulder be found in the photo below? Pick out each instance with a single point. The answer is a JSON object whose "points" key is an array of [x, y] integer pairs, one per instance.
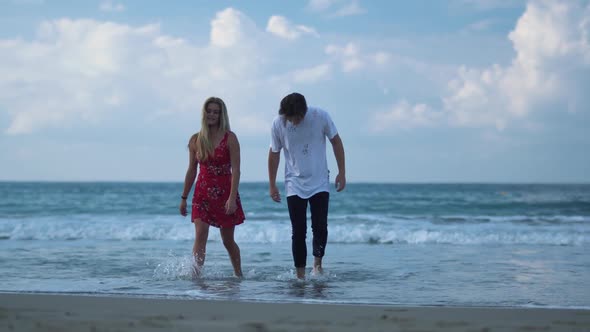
{"points": [[277, 120], [319, 113], [277, 124], [318, 110]]}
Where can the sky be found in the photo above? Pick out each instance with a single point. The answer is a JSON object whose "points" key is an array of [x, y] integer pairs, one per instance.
{"points": [[420, 91]]}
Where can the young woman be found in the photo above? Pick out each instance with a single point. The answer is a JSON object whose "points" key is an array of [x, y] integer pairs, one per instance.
{"points": [[216, 201]]}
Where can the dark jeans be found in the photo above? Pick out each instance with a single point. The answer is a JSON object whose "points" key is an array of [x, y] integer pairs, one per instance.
{"points": [[319, 225]]}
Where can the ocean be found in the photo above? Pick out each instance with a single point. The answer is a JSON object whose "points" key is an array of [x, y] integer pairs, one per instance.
{"points": [[501, 245]]}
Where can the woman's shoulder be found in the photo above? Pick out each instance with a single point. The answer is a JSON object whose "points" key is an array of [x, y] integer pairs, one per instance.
{"points": [[193, 140], [231, 136]]}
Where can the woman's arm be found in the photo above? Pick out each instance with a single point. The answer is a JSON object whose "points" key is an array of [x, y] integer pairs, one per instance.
{"points": [[234, 155], [191, 174]]}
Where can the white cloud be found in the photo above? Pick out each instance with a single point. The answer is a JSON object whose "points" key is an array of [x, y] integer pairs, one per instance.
{"points": [[473, 100], [549, 72], [350, 9], [336, 8], [481, 25], [348, 55], [109, 6], [228, 28], [88, 73], [404, 115], [67, 73], [113, 100], [312, 75], [490, 4], [320, 5], [381, 58], [281, 27], [351, 57], [80, 73]]}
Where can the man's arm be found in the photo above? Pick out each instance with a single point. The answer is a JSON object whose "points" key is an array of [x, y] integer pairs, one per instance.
{"points": [[338, 148], [273, 165]]}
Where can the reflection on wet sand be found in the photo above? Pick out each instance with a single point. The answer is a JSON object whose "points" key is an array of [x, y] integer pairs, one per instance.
{"points": [[311, 289], [229, 287]]}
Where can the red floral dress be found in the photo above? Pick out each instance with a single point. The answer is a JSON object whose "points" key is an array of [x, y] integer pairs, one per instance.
{"points": [[213, 188]]}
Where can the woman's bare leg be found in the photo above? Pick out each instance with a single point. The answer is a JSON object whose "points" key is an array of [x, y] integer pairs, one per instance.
{"points": [[227, 235], [200, 246]]}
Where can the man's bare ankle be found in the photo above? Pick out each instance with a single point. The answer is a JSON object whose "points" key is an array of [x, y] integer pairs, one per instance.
{"points": [[300, 272], [317, 265], [317, 261]]}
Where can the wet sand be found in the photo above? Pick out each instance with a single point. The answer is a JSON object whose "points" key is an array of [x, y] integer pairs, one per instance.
{"points": [[28, 312]]}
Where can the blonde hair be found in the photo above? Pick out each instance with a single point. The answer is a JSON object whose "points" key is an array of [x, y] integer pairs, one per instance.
{"points": [[201, 141]]}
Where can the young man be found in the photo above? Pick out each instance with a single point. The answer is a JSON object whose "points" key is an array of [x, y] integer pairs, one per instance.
{"points": [[301, 132]]}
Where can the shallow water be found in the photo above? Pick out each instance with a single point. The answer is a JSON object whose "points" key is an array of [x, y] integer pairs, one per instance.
{"points": [[468, 245]]}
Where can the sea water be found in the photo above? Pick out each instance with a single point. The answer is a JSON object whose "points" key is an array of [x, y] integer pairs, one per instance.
{"points": [[512, 245]]}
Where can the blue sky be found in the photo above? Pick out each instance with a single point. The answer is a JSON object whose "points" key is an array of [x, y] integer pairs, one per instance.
{"points": [[420, 91]]}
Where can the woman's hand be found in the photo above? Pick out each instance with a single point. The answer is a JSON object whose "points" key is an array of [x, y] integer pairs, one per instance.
{"points": [[230, 206], [182, 207]]}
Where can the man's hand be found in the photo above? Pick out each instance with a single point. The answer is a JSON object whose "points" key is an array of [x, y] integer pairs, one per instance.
{"points": [[274, 194], [340, 182]]}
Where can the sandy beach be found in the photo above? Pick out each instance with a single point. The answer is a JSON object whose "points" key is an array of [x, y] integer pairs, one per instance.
{"points": [[24, 312]]}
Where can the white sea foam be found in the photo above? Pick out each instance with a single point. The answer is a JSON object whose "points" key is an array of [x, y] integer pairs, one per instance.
{"points": [[378, 230]]}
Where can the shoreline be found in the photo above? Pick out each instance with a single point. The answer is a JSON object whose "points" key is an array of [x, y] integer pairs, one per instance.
{"points": [[158, 297], [41, 312]]}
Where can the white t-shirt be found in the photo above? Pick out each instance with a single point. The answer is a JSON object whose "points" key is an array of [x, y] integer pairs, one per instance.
{"points": [[304, 145]]}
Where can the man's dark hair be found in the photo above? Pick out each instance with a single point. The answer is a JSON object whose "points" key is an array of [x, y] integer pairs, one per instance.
{"points": [[293, 105]]}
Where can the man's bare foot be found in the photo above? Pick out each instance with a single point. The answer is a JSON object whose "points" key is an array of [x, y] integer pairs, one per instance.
{"points": [[317, 266], [318, 270], [300, 272]]}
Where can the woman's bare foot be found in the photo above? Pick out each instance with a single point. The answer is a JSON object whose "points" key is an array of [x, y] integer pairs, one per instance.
{"points": [[196, 271]]}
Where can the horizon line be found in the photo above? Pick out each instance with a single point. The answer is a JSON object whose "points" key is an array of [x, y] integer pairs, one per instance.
{"points": [[282, 182]]}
